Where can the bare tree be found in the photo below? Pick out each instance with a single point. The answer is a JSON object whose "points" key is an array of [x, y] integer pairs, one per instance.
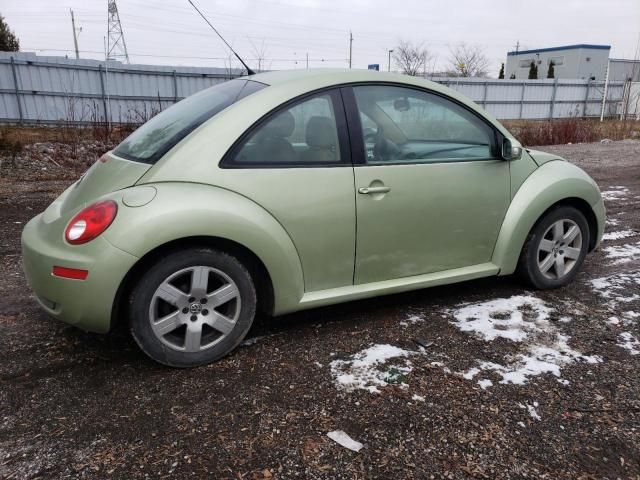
{"points": [[468, 61], [260, 55], [230, 65], [411, 58]]}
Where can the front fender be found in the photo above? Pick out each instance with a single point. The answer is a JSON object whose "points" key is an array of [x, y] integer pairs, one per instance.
{"points": [[550, 183], [181, 210]]}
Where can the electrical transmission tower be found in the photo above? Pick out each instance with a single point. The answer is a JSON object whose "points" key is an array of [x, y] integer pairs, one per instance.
{"points": [[116, 46]]}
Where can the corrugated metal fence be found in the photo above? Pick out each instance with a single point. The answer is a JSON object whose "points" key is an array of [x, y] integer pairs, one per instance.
{"points": [[37, 89], [539, 99], [56, 89]]}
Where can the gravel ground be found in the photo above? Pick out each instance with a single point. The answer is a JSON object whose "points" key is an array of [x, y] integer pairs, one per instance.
{"points": [[482, 379]]}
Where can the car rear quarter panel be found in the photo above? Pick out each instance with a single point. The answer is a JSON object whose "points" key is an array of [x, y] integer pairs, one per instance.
{"points": [[183, 210], [547, 185]]}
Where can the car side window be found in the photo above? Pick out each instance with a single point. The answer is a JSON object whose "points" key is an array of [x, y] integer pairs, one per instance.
{"points": [[404, 125], [304, 134]]}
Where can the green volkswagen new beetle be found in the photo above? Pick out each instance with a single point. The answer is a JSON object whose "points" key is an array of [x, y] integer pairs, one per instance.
{"points": [[290, 190]]}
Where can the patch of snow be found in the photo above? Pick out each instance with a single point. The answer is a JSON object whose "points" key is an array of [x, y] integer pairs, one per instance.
{"points": [[623, 253], [615, 193], [341, 438], [613, 320], [613, 221], [472, 372], [485, 383], [532, 411], [619, 235], [619, 288], [524, 320], [418, 398], [362, 370], [521, 424], [627, 341], [502, 317], [412, 319]]}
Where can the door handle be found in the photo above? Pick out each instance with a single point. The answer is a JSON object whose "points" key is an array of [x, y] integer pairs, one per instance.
{"points": [[371, 190]]}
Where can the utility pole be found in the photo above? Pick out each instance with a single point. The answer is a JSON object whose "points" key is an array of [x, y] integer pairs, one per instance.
{"points": [[107, 111], [604, 95], [75, 34], [350, 47], [116, 46], [389, 64], [517, 47], [307, 60]]}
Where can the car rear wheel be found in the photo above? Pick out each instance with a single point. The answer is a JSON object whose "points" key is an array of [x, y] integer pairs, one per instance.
{"points": [[555, 249], [192, 308]]}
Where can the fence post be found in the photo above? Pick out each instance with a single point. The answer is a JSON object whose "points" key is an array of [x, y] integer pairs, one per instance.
{"points": [[17, 89], [553, 98], [586, 99], [175, 87], [484, 95], [104, 98], [524, 86]]}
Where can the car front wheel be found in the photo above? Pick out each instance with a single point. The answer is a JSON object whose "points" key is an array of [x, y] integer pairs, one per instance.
{"points": [[555, 248], [192, 307]]}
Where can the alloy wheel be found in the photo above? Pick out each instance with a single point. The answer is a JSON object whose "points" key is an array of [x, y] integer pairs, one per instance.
{"points": [[559, 249], [194, 308]]}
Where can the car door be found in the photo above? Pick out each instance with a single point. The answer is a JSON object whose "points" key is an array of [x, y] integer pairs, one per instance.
{"points": [[431, 189], [296, 164]]}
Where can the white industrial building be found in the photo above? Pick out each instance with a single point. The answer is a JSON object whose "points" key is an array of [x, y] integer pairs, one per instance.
{"points": [[570, 61], [622, 70]]}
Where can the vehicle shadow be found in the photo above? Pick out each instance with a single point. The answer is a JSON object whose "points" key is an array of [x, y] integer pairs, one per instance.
{"points": [[407, 302], [118, 347]]}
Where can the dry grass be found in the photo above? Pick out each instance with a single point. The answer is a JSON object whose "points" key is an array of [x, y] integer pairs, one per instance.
{"points": [[64, 134], [528, 132], [571, 130]]}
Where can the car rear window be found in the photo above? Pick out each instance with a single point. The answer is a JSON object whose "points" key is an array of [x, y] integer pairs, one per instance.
{"points": [[153, 139]]}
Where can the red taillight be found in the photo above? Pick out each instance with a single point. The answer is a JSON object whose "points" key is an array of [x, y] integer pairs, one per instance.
{"points": [[91, 222], [74, 273]]}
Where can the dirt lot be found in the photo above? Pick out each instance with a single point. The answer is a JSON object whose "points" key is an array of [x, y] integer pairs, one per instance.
{"points": [[479, 380]]}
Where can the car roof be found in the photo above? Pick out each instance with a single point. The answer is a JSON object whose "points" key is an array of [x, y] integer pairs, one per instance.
{"points": [[334, 76]]}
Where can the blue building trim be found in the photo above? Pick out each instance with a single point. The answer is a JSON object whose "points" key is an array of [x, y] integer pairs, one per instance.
{"points": [[566, 47]]}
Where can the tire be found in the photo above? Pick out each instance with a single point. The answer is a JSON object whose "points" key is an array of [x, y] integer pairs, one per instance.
{"points": [[546, 249], [196, 290]]}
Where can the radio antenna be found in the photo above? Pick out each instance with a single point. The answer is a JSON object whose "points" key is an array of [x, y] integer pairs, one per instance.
{"points": [[249, 71]]}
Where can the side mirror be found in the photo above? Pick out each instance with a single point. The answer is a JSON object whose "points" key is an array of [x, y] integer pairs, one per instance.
{"points": [[511, 150]]}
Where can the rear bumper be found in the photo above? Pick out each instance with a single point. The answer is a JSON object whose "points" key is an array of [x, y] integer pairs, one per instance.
{"points": [[87, 303]]}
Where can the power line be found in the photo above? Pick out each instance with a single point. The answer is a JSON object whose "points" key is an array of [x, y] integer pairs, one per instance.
{"points": [[150, 55]]}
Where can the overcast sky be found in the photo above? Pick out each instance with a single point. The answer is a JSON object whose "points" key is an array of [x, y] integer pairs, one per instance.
{"points": [[170, 31]]}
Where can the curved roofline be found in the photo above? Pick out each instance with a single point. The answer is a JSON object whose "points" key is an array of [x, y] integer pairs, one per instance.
{"points": [[288, 84], [566, 47]]}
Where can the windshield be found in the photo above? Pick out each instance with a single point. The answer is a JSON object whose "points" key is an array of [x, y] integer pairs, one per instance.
{"points": [[153, 139]]}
